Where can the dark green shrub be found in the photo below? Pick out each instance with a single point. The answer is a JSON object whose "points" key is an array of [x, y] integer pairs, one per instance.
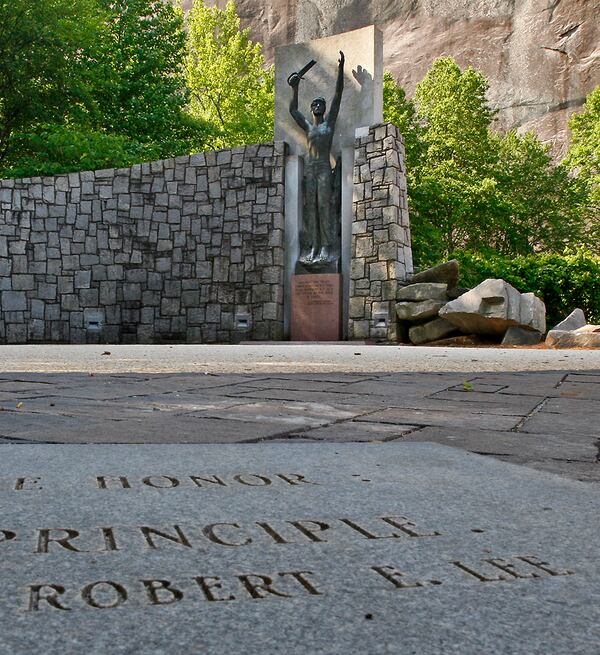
{"points": [[563, 282]]}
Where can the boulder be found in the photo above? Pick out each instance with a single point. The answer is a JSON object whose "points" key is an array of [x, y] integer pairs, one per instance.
{"points": [[492, 307], [587, 336], [418, 311], [456, 292], [431, 331], [446, 273], [423, 291], [518, 336], [575, 320]]}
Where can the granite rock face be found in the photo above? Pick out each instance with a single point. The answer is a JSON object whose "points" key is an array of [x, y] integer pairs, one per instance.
{"points": [[494, 306], [541, 56]]}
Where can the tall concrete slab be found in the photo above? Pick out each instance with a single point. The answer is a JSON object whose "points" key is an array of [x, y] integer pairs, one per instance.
{"points": [[362, 102], [362, 105]]}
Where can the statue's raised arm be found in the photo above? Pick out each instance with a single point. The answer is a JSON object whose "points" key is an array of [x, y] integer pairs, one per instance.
{"points": [[297, 115], [337, 98]]}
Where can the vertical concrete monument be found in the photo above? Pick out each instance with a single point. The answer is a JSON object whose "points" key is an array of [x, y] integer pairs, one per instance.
{"points": [[325, 90]]}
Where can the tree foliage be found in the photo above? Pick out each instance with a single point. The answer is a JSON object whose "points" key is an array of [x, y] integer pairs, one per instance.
{"points": [[470, 187], [584, 152], [40, 61], [119, 97], [401, 111], [136, 75], [50, 149], [230, 87]]}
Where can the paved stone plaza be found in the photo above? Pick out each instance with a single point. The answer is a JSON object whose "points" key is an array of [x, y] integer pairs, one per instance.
{"points": [[538, 408]]}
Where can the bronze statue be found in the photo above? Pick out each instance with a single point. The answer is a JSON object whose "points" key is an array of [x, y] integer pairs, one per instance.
{"points": [[320, 225]]}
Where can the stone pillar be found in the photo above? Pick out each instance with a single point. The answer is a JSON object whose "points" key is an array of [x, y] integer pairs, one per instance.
{"points": [[381, 247]]}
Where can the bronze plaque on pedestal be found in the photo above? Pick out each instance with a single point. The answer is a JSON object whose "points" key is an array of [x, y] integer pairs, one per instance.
{"points": [[316, 307]]}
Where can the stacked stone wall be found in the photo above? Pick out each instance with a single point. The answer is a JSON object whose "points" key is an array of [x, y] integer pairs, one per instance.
{"points": [[187, 249], [381, 248]]}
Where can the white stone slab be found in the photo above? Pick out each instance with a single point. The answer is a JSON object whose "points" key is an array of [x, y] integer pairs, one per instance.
{"points": [[362, 101], [292, 549]]}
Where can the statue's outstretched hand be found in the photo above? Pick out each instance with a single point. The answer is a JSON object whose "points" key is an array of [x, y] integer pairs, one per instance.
{"points": [[294, 80]]}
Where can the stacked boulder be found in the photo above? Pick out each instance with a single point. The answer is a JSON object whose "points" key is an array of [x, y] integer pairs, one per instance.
{"points": [[434, 308], [574, 332], [419, 303], [496, 308]]}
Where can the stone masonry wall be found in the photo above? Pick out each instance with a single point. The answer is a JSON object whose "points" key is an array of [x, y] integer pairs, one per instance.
{"points": [[381, 247], [169, 250]]}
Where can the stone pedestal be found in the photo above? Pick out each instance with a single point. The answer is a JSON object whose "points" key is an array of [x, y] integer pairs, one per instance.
{"points": [[316, 307]]}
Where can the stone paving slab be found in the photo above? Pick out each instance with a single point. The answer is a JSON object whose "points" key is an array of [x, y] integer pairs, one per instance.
{"points": [[571, 447], [305, 548], [455, 418], [353, 431], [537, 418]]}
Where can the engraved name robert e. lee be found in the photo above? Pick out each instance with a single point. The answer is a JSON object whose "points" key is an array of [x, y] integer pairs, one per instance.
{"points": [[108, 594]]}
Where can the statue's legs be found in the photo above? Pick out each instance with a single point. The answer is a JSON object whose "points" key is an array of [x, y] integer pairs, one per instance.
{"points": [[324, 206], [326, 228], [309, 236]]}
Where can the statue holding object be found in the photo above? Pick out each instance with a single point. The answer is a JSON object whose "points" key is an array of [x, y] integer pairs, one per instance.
{"points": [[319, 235]]}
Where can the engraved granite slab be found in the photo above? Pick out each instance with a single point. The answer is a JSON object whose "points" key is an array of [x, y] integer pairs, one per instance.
{"points": [[299, 548]]}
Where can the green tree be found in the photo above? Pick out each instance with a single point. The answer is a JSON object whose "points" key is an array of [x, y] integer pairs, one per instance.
{"points": [[401, 112], [50, 149], [470, 187], [584, 153], [136, 76], [540, 206], [40, 56], [230, 87], [454, 189], [121, 99]]}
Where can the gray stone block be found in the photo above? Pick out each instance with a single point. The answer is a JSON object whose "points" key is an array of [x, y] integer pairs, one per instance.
{"points": [[13, 301], [579, 338], [517, 336], [83, 279], [575, 320], [423, 291], [431, 331], [418, 311], [446, 273], [492, 307]]}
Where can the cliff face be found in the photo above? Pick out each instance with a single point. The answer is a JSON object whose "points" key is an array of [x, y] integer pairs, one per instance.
{"points": [[542, 57]]}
